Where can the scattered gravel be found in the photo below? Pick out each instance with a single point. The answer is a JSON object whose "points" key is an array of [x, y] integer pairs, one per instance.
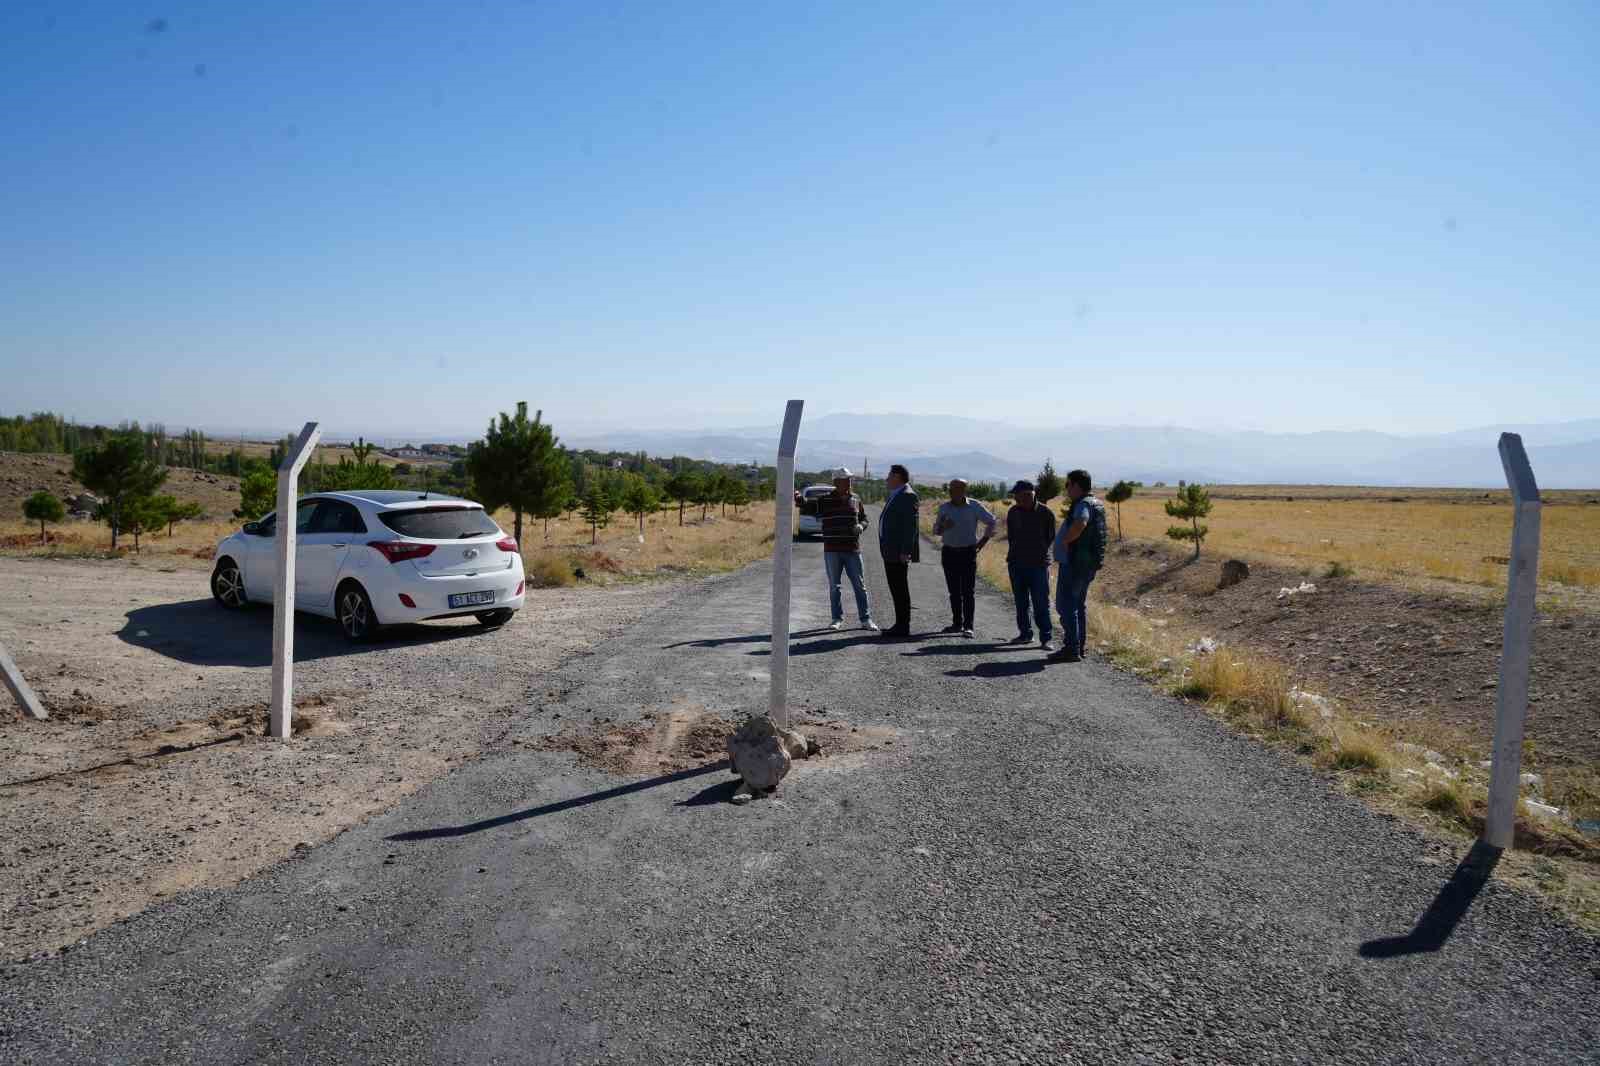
{"points": [[153, 777]]}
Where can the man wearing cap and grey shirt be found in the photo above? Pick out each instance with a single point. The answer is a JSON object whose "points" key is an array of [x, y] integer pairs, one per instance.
{"points": [[957, 521], [843, 518]]}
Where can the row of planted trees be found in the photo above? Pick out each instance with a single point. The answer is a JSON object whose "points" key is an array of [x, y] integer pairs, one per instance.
{"points": [[127, 480], [520, 465]]}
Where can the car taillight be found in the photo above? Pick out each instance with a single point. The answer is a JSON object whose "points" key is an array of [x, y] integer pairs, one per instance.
{"points": [[397, 550], [506, 544], [408, 601], [520, 584]]}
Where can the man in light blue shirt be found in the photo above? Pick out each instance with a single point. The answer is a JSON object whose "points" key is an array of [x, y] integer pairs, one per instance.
{"points": [[957, 521]]}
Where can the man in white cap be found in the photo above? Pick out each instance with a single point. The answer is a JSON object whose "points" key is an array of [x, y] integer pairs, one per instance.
{"points": [[843, 518]]}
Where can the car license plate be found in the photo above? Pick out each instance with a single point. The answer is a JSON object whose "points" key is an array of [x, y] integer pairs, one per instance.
{"points": [[471, 599]]}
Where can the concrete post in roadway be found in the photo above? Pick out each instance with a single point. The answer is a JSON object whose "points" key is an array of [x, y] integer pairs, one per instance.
{"points": [[782, 555], [25, 696], [1511, 700], [283, 590]]}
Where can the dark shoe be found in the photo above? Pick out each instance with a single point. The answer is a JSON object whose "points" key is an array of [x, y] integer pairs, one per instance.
{"points": [[1044, 643], [896, 633], [953, 627], [1065, 656], [1021, 638]]}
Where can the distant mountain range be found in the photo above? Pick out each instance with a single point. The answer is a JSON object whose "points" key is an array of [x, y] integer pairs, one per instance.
{"points": [[1564, 455]]}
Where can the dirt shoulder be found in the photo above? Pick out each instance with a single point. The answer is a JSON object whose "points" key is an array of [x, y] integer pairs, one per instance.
{"points": [[152, 777], [1422, 660]]}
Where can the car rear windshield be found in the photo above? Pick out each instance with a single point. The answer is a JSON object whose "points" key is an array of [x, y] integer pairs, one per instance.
{"points": [[440, 523]]}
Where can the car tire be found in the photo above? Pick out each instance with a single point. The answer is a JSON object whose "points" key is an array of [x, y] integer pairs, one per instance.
{"points": [[227, 585], [354, 611], [496, 618]]}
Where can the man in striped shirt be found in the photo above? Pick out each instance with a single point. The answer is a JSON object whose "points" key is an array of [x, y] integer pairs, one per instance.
{"points": [[843, 518]]}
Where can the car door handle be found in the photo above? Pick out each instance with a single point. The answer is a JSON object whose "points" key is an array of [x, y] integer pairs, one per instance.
{"points": [[338, 545]]}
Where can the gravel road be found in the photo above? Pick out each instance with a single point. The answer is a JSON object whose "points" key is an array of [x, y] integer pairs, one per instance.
{"points": [[151, 778], [1046, 864]]}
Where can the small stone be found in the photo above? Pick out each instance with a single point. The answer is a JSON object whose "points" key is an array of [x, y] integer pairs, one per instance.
{"points": [[1233, 572]]}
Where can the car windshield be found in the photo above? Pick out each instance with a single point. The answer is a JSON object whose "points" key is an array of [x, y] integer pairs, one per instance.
{"points": [[440, 523]]}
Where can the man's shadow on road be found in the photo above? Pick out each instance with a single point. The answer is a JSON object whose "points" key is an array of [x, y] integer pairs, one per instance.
{"points": [[962, 647], [817, 647], [1007, 668], [753, 638], [1446, 910]]}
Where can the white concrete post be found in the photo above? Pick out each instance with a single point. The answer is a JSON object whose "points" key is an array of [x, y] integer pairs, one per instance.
{"points": [[26, 699], [283, 591], [1511, 701], [782, 555]]}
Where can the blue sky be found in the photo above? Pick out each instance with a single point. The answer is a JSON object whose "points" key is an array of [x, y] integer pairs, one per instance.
{"points": [[405, 216]]}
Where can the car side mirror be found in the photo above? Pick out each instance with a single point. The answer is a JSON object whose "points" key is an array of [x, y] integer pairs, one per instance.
{"points": [[253, 528]]}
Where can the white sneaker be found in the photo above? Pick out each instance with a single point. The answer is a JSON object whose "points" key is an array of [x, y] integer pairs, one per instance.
{"points": [[966, 632], [837, 626], [871, 626]]}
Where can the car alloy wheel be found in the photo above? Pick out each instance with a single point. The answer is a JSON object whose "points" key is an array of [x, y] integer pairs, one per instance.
{"points": [[227, 584], [355, 615]]}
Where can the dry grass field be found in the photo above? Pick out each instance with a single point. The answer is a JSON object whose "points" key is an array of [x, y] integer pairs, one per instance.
{"points": [[1395, 536], [1447, 535]]}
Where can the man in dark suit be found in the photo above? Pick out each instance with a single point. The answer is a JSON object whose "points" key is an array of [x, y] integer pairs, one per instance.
{"points": [[899, 542]]}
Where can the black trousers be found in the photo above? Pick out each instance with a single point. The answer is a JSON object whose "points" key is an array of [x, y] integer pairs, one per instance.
{"points": [[898, 575], [961, 578]]}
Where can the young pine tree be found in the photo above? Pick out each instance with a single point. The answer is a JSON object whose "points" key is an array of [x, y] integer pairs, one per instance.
{"points": [[258, 490], [738, 495], [597, 510], [118, 471], [43, 507], [639, 499], [1121, 491], [1191, 504], [1047, 486], [519, 464], [681, 488]]}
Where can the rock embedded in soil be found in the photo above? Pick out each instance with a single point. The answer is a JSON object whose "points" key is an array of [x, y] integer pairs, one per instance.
{"points": [[758, 753], [1233, 572]]}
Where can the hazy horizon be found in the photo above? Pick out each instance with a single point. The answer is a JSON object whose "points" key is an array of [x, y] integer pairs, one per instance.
{"points": [[750, 423]]}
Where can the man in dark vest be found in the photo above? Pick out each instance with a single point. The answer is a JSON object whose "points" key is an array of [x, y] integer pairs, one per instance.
{"points": [[1080, 550], [898, 542]]}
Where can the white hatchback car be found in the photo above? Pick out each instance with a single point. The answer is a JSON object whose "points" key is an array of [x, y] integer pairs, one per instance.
{"points": [[371, 558]]}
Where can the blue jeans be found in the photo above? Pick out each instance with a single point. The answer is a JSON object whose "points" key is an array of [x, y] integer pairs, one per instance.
{"points": [[1031, 584], [1072, 593], [846, 563]]}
